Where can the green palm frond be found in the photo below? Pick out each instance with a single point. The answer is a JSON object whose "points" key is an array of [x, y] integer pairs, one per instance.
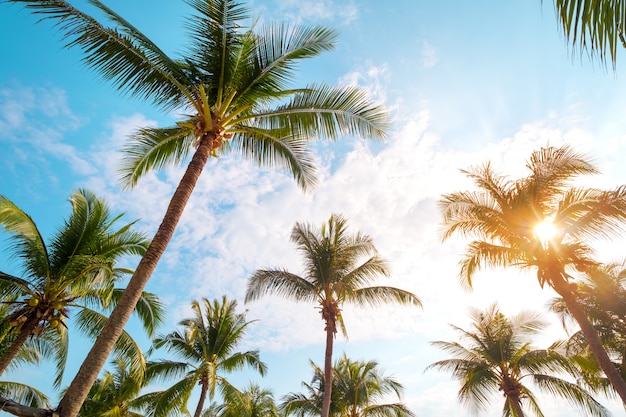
{"points": [[573, 393], [281, 283], [275, 54], [24, 394], [323, 111], [276, 148], [593, 26], [377, 296], [29, 244], [127, 58], [153, 148]]}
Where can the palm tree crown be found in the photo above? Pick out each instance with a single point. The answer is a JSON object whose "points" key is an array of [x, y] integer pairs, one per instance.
{"points": [[75, 272], [498, 357], [207, 344], [502, 216], [338, 267]]}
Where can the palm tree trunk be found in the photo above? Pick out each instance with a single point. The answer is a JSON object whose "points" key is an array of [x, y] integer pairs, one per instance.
{"points": [[328, 369], [591, 336], [25, 332], [516, 405], [203, 391], [79, 388]]}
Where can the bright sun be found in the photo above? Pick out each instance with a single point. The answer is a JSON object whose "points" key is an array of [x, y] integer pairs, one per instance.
{"points": [[545, 230]]}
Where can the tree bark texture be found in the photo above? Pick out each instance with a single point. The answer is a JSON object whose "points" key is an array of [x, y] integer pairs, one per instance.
{"points": [[79, 388]]}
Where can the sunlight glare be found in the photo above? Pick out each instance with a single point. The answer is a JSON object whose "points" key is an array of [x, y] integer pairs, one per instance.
{"points": [[545, 231]]}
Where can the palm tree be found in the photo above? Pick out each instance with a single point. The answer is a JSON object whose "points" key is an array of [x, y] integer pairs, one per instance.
{"points": [[115, 394], [498, 357], [335, 272], [235, 84], [253, 401], [594, 26], [502, 216], [75, 272], [602, 294], [207, 344], [358, 388]]}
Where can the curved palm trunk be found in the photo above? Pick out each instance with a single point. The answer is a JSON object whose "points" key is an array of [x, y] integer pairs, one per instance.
{"points": [[328, 369], [203, 392], [591, 336], [79, 388], [25, 332]]}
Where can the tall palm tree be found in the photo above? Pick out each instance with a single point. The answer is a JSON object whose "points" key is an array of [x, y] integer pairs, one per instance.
{"points": [[338, 267], [74, 273], [593, 26], [207, 344], [358, 389], [502, 217], [236, 85], [499, 358]]}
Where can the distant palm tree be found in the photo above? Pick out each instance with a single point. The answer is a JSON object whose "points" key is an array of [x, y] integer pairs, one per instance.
{"points": [[503, 217], [207, 344], [75, 272], [593, 26], [235, 89], [253, 401], [115, 394], [338, 267], [359, 390], [499, 359]]}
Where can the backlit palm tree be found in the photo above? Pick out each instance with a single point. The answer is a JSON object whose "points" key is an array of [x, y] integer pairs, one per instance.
{"points": [[359, 390], [207, 345], [235, 83], [502, 217], [75, 273], [338, 267], [496, 358]]}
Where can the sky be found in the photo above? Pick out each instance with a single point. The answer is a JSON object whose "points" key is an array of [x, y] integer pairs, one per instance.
{"points": [[464, 83]]}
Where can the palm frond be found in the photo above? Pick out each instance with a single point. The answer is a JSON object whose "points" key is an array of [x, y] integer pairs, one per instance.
{"points": [[122, 55], [153, 148]]}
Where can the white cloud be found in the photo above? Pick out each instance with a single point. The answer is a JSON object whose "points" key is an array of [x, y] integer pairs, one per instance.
{"points": [[330, 10], [429, 55]]}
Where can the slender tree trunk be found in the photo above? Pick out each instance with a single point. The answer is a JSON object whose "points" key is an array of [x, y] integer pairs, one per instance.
{"points": [[79, 388], [328, 369], [203, 392], [25, 332], [591, 336], [516, 405]]}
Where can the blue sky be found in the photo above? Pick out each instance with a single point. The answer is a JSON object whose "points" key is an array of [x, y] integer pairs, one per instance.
{"points": [[465, 82]]}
